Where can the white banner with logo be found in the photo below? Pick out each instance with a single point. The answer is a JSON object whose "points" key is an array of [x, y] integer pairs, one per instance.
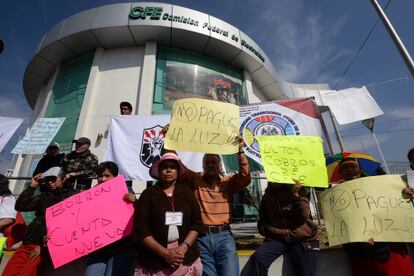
{"points": [[39, 136], [136, 141], [8, 127], [290, 117]]}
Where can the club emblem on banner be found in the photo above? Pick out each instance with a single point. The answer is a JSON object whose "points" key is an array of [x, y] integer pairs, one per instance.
{"points": [[265, 123], [152, 145]]}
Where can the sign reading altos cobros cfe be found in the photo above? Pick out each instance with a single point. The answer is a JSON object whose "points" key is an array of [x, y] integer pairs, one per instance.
{"points": [[155, 13]]}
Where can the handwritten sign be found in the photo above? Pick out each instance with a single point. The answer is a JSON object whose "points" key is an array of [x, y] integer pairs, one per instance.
{"points": [[200, 125], [301, 158], [39, 137], [368, 207], [88, 221]]}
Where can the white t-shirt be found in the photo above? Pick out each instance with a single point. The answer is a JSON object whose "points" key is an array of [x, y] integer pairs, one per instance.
{"points": [[7, 207]]}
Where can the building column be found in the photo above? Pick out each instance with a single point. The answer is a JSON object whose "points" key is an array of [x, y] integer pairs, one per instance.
{"points": [[147, 81]]}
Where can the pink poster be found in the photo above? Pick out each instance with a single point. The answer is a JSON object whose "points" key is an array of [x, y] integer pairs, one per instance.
{"points": [[88, 221]]}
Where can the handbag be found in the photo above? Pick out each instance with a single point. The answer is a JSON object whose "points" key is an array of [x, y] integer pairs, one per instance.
{"points": [[305, 231]]}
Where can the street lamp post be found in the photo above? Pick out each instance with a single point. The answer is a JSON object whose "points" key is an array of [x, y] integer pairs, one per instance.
{"points": [[369, 123], [395, 38]]}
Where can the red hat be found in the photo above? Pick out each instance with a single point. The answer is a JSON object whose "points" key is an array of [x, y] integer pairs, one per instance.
{"points": [[154, 171]]}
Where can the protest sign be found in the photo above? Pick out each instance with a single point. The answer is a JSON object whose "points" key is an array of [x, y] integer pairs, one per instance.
{"points": [[368, 207], [287, 117], [88, 221], [2, 243], [39, 137], [200, 125], [301, 158], [7, 128]]}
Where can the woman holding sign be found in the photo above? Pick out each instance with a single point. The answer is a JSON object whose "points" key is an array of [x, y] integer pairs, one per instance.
{"points": [[374, 258], [167, 221], [285, 222]]}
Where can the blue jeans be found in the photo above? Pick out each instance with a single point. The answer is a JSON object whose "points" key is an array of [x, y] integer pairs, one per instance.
{"points": [[218, 254], [120, 263], [304, 261]]}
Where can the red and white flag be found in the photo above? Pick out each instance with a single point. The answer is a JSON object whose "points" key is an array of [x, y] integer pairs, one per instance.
{"points": [[290, 117]]}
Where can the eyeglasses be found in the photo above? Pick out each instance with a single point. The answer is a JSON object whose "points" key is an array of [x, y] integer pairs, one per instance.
{"points": [[51, 178]]}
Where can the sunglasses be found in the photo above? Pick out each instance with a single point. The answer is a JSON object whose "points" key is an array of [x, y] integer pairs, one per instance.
{"points": [[48, 179]]}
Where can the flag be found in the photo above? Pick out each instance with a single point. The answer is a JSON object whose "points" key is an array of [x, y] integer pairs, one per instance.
{"points": [[290, 117], [136, 141], [351, 105], [7, 128]]}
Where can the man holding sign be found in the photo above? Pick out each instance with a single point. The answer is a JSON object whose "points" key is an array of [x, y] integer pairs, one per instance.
{"points": [[213, 192]]}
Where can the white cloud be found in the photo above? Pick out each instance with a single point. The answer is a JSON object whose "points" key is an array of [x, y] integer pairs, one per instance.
{"points": [[401, 113], [302, 46]]}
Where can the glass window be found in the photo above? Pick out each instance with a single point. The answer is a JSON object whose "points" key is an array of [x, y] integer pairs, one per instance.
{"points": [[67, 97], [183, 74]]}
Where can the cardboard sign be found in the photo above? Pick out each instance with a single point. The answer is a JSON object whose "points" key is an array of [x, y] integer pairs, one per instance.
{"points": [[301, 158], [39, 137], [368, 207], [88, 221], [199, 125]]}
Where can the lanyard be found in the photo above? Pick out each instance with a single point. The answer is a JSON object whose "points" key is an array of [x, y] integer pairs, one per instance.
{"points": [[171, 201]]}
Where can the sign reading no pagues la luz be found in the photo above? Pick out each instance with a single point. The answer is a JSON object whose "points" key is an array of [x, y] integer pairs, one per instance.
{"points": [[368, 207], [199, 125]]}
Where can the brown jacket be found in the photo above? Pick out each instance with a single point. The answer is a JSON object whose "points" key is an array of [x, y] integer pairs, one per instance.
{"points": [[286, 217]]}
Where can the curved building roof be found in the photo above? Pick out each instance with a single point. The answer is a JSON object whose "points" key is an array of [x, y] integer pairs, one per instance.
{"points": [[132, 24]]}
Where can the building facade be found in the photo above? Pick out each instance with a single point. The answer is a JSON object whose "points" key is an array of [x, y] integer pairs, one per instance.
{"points": [[148, 54]]}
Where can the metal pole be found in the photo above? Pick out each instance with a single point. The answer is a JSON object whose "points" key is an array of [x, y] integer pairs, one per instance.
{"points": [[380, 151], [325, 131], [395, 38], [338, 135]]}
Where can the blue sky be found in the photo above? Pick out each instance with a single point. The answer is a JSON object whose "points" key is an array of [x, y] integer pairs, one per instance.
{"points": [[308, 41]]}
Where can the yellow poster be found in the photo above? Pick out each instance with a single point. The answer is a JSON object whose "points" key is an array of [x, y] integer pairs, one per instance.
{"points": [[368, 207], [203, 126], [2, 243], [301, 158]]}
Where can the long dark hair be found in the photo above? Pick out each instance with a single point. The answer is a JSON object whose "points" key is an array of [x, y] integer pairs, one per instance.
{"points": [[4, 186]]}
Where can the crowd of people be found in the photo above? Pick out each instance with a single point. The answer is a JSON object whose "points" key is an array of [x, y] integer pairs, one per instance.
{"points": [[181, 224]]}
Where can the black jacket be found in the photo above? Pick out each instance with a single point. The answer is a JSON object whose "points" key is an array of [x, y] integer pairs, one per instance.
{"points": [[27, 202], [48, 162], [149, 220]]}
